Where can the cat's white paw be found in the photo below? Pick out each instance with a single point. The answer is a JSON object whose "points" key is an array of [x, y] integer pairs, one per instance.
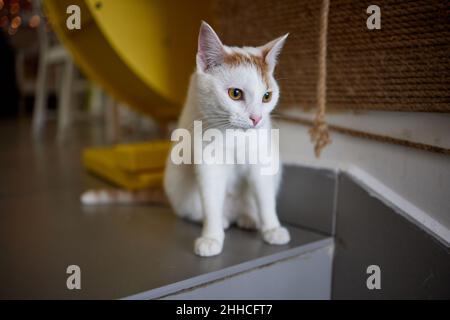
{"points": [[279, 235], [207, 247]]}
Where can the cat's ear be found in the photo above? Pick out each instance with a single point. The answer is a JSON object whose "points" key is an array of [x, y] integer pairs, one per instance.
{"points": [[272, 49], [210, 49]]}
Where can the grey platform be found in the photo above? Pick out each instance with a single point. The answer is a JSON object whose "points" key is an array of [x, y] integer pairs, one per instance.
{"points": [[128, 251], [143, 252]]}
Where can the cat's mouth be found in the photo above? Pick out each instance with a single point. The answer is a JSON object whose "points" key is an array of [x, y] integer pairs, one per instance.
{"points": [[242, 126], [223, 122]]}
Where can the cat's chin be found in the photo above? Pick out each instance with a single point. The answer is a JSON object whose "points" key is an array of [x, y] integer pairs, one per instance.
{"points": [[241, 127], [244, 127]]}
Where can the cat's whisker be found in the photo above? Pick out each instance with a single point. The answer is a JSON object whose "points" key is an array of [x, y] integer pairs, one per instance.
{"points": [[216, 125]]}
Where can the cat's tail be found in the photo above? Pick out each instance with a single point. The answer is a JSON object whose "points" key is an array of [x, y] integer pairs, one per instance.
{"points": [[118, 196]]}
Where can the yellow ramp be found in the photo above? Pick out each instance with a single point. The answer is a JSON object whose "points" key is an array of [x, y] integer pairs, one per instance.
{"points": [[129, 166], [140, 51]]}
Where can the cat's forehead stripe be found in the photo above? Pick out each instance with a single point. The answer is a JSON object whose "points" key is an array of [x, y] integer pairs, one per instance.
{"points": [[237, 59]]}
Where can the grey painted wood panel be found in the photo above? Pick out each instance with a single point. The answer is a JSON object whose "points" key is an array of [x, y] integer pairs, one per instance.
{"points": [[413, 264], [307, 276], [307, 197]]}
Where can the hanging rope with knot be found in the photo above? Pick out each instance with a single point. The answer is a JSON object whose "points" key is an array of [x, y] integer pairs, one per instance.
{"points": [[319, 132]]}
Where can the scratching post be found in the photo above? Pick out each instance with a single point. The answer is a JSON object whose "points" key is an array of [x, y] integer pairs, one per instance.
{"points": [[319, 132]]}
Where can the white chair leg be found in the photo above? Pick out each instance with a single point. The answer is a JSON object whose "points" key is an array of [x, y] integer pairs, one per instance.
{"points": [[112, 120], [20, 58], [40, 103], [65, 100], [96, 101]]}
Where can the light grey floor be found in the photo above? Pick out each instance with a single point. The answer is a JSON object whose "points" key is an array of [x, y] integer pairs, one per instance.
{"points": [[122, 250]]}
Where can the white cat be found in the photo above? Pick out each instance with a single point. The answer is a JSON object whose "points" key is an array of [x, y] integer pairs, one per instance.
{"points": [[231, 88]]}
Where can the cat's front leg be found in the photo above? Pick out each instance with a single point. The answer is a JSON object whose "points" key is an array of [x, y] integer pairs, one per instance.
{"points": [[264, 188], [212, 184]]}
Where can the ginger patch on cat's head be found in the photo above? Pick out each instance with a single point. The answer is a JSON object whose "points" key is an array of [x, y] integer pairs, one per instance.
{"points": [[236, 59], [212, 53]]}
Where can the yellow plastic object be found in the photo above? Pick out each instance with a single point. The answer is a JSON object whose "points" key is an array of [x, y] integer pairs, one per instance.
{"points": [[142, 156], [140, 51], [133, 166]]}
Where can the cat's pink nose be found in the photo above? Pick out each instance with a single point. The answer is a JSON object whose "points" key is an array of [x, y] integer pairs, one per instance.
{"points": [[255, 119]]}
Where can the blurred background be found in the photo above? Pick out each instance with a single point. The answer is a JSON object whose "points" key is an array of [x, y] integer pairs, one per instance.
{"points": [[43, 88]]}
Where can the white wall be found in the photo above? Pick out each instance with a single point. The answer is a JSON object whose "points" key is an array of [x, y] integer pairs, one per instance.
{"points": [[420, 177], [422, 127]]}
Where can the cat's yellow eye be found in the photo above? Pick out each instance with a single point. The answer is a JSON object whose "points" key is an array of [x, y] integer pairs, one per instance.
{"points": [[235, 94], [267, 97]]}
